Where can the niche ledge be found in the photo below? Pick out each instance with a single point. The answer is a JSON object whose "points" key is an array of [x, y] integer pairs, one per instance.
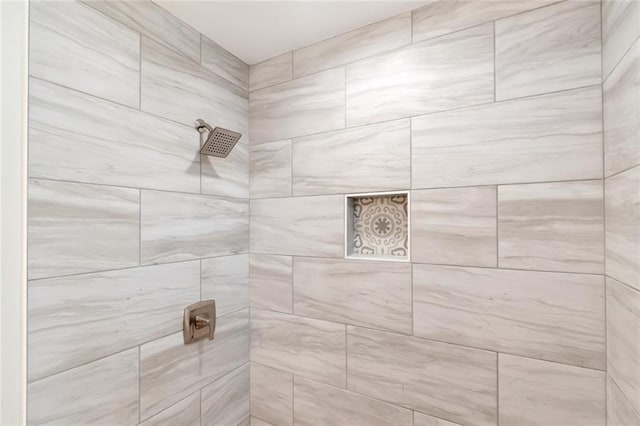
{"points": [[377, 226]]}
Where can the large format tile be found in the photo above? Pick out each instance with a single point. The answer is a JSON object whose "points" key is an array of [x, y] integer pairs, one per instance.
{"points": [[254, 421], [447, 381], [620, 28], [188, 226], [271, 282], [75, 228], [299, 107], [544, 393], [77, 137], [183, 413], [102, 392], [357, 44], [317, 404], [226, 401], [226, 279], [272, 394], [543, 138], [302, 226], [217, 59], [444, 73], [271, 71], [171, 370], [78, 47], [360, 159], [552, 316], [227, 177], [270, 169], [619, 410], [552, 226], [420, 419], [304, 346], [327, 288], [548, 49], [454, 226]]}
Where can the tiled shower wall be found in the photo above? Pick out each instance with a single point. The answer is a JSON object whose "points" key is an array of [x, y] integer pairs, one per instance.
{"points": [[128, 224], [490, 114]]}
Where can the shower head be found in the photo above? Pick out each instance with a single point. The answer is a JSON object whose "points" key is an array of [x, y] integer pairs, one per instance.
{"points": [[219, 142]]}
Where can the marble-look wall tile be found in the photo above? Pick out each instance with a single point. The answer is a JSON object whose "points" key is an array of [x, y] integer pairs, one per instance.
{"points": [[375, 38], [619, 410], [552, 226], [302, 226], [178, 227], [271, 71], [304, 106], [75, 228], [317, 404], [183, 413], [101, 392], [272, 394], [420, 419], [622, 227], [77, 137], [535, 392], [548, 49], [271, 282], [620, 28], [622, 114], [552, 316], [445, 73], [361, 159], [424, 375], [226, 401], [304, 346], [217, 59], [171, 370], [454, 226], [254, 421], [327, 288], [227, 177], [543, 138], [66, 48], [270, 168], [226, 279]]}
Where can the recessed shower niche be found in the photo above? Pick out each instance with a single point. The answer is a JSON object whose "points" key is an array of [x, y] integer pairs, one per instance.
{"points": [[377, 226]]}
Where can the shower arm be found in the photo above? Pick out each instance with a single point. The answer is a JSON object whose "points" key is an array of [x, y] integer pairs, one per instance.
{"points": [[200, 126]]}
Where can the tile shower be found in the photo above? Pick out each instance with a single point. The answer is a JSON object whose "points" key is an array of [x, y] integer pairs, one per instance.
{"points": [[514, 129]]}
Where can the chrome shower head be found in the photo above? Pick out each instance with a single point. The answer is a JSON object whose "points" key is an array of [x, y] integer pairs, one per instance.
{"points": [[220, 141]]}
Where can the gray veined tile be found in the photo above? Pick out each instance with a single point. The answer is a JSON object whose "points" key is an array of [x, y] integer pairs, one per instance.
{"points": [[361, 159], [620, 28], [357, 44], [270, 167], [317, 404], [303, 346], [270, 282], [226, 279], [76, 46], [226, 401], [75, 228], [183, 413], [271, 71], [74, 136], [327, 288], [545, 315], [447, 381], [103, 392], [272, 394], [420, 419], [217, 59], [445, 73], [304, 106], [619, 410], [542, 393], [178, 227], [227, 177], [544, 138], [254, 421], [549, 49]]}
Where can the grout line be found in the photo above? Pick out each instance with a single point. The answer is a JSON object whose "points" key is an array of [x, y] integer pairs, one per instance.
{"points": [[498, 389], [497, 228], [626, 398], [621, 172], [139, 385], [604, 217], [140, 72], [140, 227], [495, 80], [631, 45]]}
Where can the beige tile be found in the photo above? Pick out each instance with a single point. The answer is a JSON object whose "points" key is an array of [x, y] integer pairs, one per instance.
{"points": [[552, 227], [549, 49], [317, 404], [171, 370], [423, 375], [217, 59], [304, 106], [254, 421], [622, 227], [420, 419], [65, 48], [552, 316], [227, 177], [102, 392], [75, 228], [272, 394], [226, 279], [183, 413], [302, 226], [449, 72], [271, 71], [360, 159], [622, 114], [375, 38], [454, 226], [271, 282], [544, 138], [620, 27], [328, 288], [544, 393], [304, 346], [619, 410], [270, 167], [188, 226], [226, 401]]}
